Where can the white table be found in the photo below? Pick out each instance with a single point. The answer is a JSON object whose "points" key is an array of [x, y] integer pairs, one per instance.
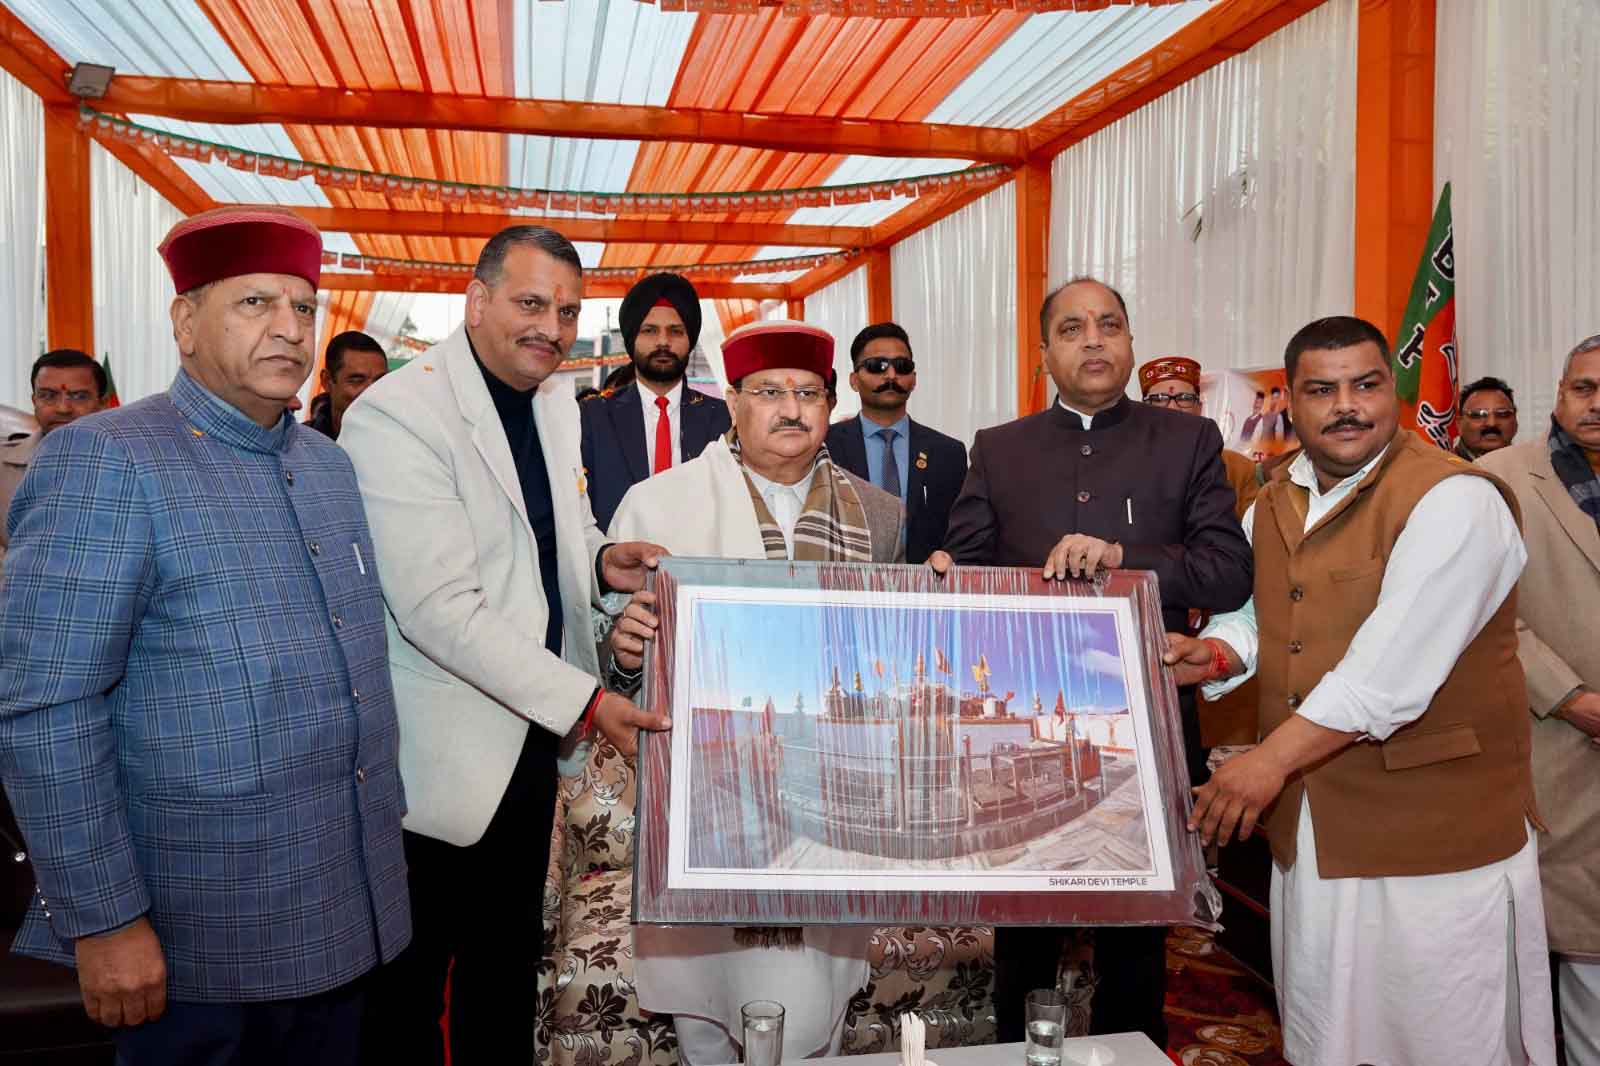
{"points": [[1127, 1049]]}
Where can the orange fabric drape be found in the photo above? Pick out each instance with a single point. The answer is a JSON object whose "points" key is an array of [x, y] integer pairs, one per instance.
{"points": [[1394, 153]]}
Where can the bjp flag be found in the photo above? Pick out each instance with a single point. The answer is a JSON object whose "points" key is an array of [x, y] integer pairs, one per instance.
{"points": [[1424, 360], [111, 383]]}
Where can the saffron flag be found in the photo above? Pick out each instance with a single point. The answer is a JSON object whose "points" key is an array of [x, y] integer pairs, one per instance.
{"points": [[1425, 349], [111, 384]]}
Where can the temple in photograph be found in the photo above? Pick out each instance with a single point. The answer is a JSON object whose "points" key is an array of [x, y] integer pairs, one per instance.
{"points": [[912, 770]]}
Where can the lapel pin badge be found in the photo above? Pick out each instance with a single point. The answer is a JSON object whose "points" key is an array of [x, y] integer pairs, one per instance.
{"points": [[922, 460]]}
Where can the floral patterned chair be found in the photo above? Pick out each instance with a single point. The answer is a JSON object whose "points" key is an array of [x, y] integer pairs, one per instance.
{"points": [[588, 1014]]}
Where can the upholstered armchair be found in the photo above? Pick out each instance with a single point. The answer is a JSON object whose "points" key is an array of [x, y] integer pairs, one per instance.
{"points": [[587, 1012]]}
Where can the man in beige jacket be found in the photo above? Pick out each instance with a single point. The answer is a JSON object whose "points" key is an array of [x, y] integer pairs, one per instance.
{"points": [[1557, 481]]}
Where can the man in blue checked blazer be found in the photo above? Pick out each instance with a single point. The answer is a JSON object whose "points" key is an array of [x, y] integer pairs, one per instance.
{"points": [[197, 728]]}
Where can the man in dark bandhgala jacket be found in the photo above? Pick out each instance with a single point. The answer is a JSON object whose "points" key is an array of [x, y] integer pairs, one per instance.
{"points": [[657, 422], [1099, 481]]}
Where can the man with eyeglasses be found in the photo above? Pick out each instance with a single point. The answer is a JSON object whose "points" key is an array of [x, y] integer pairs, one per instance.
{"points": [[1556, 479], [770, 490], [1488, 419], [1173, 382], [67, 384], [907, 459]]}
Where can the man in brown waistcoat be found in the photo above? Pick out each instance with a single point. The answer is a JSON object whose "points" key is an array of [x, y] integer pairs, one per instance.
{"points": [[1393, 774]]}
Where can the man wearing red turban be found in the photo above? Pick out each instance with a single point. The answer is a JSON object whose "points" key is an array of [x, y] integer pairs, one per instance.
{"points": [[656, 421]]}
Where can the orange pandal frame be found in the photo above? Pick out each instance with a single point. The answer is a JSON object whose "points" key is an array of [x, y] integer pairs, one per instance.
{"points": [[69, 277], [1394, 153]]}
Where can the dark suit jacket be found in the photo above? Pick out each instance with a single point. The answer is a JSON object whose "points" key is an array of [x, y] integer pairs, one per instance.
{"points": [[938, 467], [614, 452], [1035, 480]]}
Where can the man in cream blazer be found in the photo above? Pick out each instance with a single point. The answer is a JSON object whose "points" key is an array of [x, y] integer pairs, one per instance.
{"points": [[488, 555], [1558, 636]]}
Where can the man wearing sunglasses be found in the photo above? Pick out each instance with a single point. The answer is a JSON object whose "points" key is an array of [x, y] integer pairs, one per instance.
{"points": [[883, 446], [1488, 419]]}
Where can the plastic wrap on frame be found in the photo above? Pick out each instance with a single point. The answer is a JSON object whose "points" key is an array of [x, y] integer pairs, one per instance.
{"points": [[743, 809]]}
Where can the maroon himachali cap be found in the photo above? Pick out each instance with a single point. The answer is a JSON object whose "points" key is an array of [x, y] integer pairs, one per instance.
{"points": [[229, 241], [777, 345]]}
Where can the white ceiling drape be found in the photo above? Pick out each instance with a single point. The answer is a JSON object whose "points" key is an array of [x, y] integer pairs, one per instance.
{"points": [[1224, 210], [1517, 134]]}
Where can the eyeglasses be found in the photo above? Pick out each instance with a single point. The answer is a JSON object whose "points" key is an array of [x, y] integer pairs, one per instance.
{"points": [[805, 395], [1482, 413], [880, 364], [1181, 399], [77, 397]]}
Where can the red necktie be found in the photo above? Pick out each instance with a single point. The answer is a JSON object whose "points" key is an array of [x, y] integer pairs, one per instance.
{"points": [[663, 437]]}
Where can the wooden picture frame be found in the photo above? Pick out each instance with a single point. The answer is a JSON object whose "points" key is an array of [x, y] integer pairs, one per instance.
{"points": [[880, 745]]}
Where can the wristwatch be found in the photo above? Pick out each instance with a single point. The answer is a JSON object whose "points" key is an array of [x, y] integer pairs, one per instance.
{"points": [[620, 679]]}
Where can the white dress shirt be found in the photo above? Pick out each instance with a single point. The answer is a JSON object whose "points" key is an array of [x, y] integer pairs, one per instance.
{"points": [[784, 501], [1436, 968], [1451, 568], [1088, 420], [652, 414]]}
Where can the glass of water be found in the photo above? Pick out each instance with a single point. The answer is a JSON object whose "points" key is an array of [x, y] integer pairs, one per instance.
{"points": [[763, 1032], [1047, 1020]]}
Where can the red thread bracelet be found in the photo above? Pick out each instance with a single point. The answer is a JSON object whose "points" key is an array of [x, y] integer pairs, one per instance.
{"points": [[1220, 667], [588, 712]]}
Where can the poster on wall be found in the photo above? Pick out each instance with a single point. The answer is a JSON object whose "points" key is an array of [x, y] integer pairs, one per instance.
{"points": [[1252, 409], [860, 744]]}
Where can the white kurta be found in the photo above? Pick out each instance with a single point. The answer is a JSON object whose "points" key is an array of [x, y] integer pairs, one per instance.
{"points": [[1395, 971], [697, 973]]}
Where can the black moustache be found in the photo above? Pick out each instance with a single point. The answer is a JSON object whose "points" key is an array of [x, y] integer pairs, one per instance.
{"points": [[890, 386], [790, 424], [1490, 433], [1347, 423]]}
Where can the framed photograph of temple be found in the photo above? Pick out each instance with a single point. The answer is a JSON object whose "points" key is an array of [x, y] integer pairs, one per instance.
{"points": [[881, 745]]}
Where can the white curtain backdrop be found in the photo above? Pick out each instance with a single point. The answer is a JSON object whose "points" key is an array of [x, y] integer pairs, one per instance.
{"points": [[22, 236], [710, 343], [841, 309], [955, 293], [1517, 120], [132, 289], [1224, 210]]}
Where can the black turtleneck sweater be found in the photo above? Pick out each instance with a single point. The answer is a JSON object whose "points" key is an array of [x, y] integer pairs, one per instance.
{"points": [[515, 408]]}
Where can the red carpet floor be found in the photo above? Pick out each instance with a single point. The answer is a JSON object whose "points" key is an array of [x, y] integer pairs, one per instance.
{"points": [[1218, 1013]]}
